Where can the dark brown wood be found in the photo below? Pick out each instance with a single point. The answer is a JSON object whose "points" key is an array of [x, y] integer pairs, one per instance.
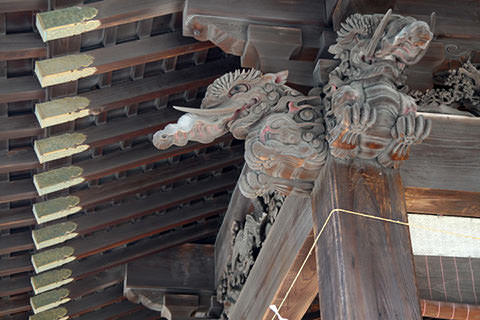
{"points": [[444, 202], [95, 301], [447, 310], [149, 226], [112, 311], [24, 5], [19, 127], [151, 88], [22, 46], [18, 160], [113, 12], [16, 242], [365, 267], [20, 89], [13, 306], [16, 218], [99, 263], [177, 282], [276, 264], [17, 190]]}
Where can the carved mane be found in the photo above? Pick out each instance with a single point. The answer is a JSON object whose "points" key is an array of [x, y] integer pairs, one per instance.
{"points": [[221, 85]]}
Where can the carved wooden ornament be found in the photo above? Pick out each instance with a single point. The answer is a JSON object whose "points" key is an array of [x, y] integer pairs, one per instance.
{"points": [[288, 135]]}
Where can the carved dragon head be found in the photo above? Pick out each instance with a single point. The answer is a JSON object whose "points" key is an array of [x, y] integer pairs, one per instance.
{"points": [[234, 102], [389, 41]]}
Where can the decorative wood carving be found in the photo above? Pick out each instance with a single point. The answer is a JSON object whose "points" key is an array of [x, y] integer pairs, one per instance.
{"points": [[367, 117], [288, 135], [247, 239], [283, 129], [458, 88]]}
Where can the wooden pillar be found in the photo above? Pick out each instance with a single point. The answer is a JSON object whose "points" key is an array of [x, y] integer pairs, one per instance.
{"points": [[365, 266]]}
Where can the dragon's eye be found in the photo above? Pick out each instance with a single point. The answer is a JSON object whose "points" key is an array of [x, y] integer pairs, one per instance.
{"points": [[238, 88]]}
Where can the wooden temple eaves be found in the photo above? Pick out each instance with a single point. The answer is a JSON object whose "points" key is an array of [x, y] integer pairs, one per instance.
{"points": [[95, 233]]}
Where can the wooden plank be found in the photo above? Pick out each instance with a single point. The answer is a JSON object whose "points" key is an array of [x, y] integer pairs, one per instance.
{"points": [[15, 265], [20, 89], [73, 67], [445, 202], [99, 263], [23, 5], [105, 14], [121, 235], [113, 311], [146, 153], [22, 46], [19, 127], [106, 99], [17, 190], [275, 266], [57, 147], [16, 242], [160, 272], [298, 12], [85, 224], [13, 306], [16, 218], [95, 301], [18, 160], [449, 158], [14, 285], [133, 184], [365, 267]]}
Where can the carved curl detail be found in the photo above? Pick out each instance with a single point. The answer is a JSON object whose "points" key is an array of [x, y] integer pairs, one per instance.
{"points": [[367, 116], [289, 136]]}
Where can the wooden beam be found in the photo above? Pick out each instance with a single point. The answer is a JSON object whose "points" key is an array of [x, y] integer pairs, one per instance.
{"points": [[449, 159], [109, 13], [365, 267], [277, 262], [73, 67]]}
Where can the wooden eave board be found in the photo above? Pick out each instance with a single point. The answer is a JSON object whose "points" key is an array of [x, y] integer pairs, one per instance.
{"points": [[18, 161], [17, 190], [22, 46], [20, 89], [23, 5], [67, 68], [270, 12], [19, 127]]}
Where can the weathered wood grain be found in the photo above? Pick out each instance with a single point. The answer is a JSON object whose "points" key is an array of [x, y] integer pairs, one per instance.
{"points": [[22, 46], [365, 267], [20, 89], [449, 159]]}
